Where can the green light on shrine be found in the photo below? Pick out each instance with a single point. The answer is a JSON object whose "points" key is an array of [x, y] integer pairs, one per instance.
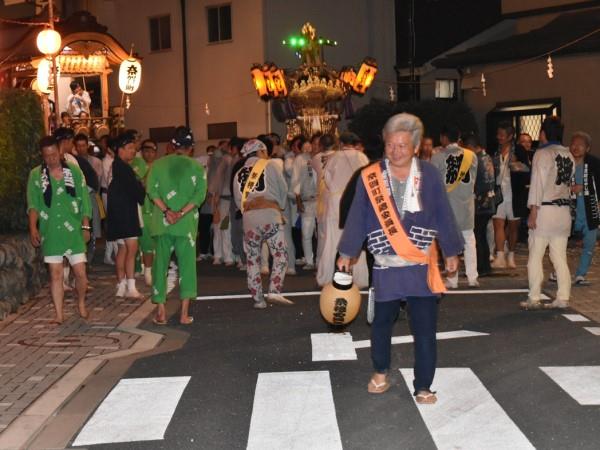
{"points": [[301, 42], [293, 41]]}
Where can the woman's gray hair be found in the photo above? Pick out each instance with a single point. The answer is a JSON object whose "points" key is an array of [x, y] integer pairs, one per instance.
{"points": [[405, 122], [583, 135]]}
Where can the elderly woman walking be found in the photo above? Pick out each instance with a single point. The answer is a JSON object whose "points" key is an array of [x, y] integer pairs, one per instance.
{"points": [[402, 209]]}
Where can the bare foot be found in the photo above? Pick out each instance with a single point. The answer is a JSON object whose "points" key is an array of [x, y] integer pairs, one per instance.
{"points": [[83, 312], [186, 320], [56, 321]]}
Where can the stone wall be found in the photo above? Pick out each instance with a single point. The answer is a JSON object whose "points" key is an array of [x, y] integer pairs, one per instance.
{"points": [[22, 272]]}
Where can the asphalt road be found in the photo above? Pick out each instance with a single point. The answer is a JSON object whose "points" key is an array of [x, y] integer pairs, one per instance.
{"points": [[230, 344]]}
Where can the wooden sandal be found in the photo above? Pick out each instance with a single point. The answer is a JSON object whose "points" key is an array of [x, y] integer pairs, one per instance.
{"points": [[377, 388], [425, 397]]}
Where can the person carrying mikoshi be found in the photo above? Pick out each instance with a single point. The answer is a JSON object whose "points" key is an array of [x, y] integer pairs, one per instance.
{"points": [[401, 208], [59, 220], [260, 192], [177, 186]]}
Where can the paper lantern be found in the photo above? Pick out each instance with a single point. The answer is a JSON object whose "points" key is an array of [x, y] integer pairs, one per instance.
{"points": [[365, 77], [45, 80], [340, 300], [130, 75], [348, 75], [268, 70], [279, 85], [260, 84], [48, 42]]}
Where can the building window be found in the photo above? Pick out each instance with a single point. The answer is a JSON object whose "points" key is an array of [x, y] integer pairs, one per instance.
{"points": [[219, 23], [223, 130], [445, 89], [160, 33]]}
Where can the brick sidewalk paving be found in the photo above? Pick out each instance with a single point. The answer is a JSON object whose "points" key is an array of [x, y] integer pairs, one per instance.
{"points": [[584, 299], [34, 354]]}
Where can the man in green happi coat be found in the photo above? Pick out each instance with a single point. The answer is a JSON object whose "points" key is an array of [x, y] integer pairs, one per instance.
{"points": [[59, 211], [141, 166], [177, 186]]}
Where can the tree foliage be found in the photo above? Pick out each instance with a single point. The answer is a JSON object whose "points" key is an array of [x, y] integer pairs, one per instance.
{"points": [[435, 114], [21, 127]]}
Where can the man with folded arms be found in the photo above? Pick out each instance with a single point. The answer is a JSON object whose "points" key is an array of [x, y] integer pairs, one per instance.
{"points": [[177, 186]]}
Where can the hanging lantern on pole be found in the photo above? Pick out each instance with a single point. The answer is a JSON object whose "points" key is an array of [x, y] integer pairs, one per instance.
{"points": [[130, 77], [279, 81], [269, 81], [365, 77], [45, 79], [260, 84], [48, 42], [348, 76]]}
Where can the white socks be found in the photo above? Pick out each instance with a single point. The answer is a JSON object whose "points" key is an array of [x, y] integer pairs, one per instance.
{"points": [[131, 285]]}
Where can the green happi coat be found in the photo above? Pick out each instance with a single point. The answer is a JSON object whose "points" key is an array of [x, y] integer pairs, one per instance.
{"points": [[141, 169], [177, 180], [60, 224]]}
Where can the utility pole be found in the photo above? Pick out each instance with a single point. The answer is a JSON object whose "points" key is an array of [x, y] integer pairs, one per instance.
{"points": [[411, 50], [54, 67]]}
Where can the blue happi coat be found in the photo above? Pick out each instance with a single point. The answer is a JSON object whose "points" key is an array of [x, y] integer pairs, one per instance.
{"points": [[434, 221]]}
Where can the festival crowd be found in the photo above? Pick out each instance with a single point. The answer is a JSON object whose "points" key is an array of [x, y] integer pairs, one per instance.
{"points": [[319, 204]]}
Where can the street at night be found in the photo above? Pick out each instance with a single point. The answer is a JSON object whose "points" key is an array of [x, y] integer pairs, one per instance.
{"points": [[308, 225]]}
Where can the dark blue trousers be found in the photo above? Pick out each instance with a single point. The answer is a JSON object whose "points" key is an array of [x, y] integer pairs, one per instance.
{"points": [[422, 312]]}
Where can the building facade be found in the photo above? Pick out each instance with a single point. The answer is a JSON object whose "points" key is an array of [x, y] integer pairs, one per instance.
{"points": [[512, 58], [223, 40]]}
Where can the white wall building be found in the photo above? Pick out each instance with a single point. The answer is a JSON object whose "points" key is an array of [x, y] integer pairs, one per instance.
{"points": [[223, 40]]}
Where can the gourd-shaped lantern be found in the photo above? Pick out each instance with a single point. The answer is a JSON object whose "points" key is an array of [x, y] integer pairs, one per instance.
{"points": [[365, 76], [48, 42]]}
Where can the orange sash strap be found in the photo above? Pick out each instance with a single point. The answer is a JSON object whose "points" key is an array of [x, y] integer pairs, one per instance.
{"points": [[383, 205]]}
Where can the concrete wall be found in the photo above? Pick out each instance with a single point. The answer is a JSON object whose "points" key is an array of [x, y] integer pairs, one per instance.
{"points": [[219, 74], [574, 82], [361, 27]]}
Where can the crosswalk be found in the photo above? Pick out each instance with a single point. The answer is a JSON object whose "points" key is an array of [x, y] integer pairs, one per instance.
{"points": [[302, 409], [297, 410]]}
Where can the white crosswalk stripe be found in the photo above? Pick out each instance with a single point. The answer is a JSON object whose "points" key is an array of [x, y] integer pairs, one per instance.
{"points": [[594, 330], [341, 347], [137, 409], [582, 383], [294, 410], [576, 318], [466, 415]]}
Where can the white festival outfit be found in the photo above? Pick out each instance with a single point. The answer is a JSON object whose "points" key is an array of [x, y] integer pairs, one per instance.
{"points": [[462, 201], [318, 163], [551, 175], [304, 185], [336, 174]]}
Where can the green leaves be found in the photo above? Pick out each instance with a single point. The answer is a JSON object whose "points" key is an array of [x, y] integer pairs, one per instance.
{"points": [[21, 127]]}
